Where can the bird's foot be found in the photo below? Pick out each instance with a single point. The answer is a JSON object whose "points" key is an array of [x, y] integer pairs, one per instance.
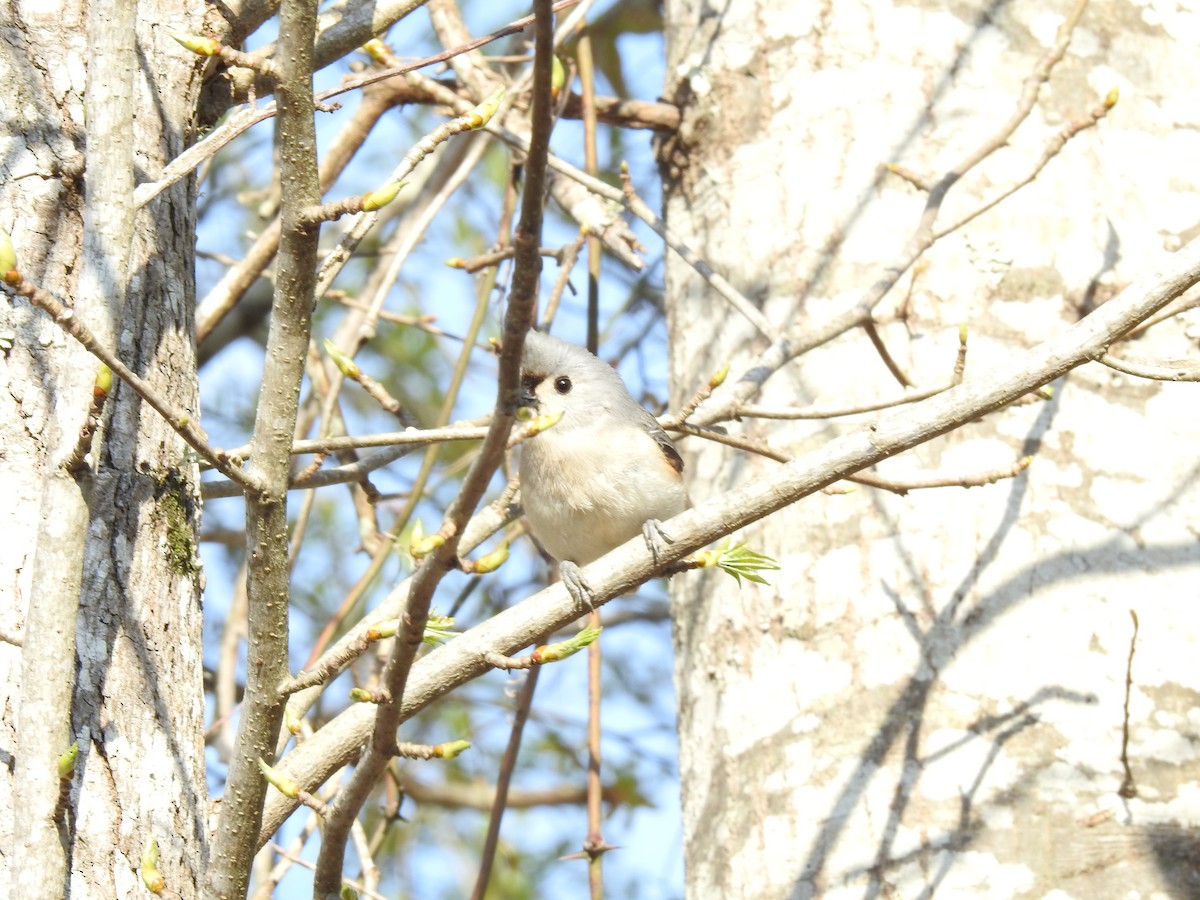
{"points": [[656, 538], [572, 579]]}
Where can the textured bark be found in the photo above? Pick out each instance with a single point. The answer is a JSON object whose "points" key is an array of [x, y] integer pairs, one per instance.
{"points": [[121, 537], [930, 697]]}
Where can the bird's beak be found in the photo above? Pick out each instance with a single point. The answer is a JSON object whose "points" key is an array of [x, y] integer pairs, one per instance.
{"points": [[527, 396]]}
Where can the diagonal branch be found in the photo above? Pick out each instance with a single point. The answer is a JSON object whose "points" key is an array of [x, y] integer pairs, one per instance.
{"points": [[464, 658], [521, 304]]}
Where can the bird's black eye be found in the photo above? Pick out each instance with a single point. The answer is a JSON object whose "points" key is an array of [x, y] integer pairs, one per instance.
{"points": [[562, 384]]}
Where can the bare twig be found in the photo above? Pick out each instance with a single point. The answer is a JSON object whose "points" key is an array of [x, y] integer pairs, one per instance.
{"points": [[359, 886], [751, 411], [494, 257], [809, 335], [508, 765], [1053, 148], [352, 237], [623, 113], [1157, 370], [966, 481], [566, 263], [344, 474], [885, 355], [1128, 786], [180, 422], [408, 437], [735, 298]]}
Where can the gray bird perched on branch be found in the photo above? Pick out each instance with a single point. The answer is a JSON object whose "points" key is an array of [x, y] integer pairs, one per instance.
{"points": [[600, 475]]}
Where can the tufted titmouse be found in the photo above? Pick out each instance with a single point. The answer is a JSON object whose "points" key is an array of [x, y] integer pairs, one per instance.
{"points": [[604, 472]]}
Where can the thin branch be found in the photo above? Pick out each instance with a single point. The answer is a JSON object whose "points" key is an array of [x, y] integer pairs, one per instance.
{"points": [[566, 263], [978, 479], [495, 257], [467, 795], [885, 354], [344, 474], [508, 765], [1053, 148], [234, 283], [659, 116], [337, 258], [813, 412], [1128, 788], [1157, 370], [359, 886], [358, 637], [752, 411], [735, 298], [180, 422], [266, 889]]}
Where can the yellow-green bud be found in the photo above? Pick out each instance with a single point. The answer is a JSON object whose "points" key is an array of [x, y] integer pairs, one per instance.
{"points": [[385, 629], [66, 762], [538, 424], [151, 877], [718, 377], [451, 749], [549, 653], [482, 114], [490, 562], [344, 363], [377, 50], [103, 383], [281, 782], [426, 546], [203, 46], [8, 255], [378, 199], [558, 77]]}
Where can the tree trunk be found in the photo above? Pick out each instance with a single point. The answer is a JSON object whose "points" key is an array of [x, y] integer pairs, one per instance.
{"points": [[932, 695], [102, 580]]}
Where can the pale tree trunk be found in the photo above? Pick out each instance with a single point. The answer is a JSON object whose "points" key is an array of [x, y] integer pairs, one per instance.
{"points": [[930, 698], [101, 577]]}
